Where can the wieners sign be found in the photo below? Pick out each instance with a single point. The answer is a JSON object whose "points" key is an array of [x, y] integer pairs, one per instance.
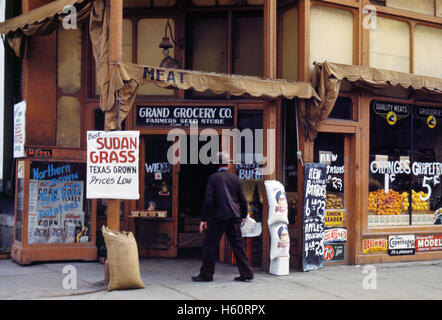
{"points": [[112, 165]]}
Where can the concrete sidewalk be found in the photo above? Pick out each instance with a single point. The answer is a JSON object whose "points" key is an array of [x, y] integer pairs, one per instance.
{"points": [[169, 279]]}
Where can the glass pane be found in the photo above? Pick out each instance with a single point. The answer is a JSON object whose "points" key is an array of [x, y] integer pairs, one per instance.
{"points": [[290, 44], [209, 51], [290, 159], [210, 45], [150, 35], [248, 39], [439, 8], [326, 24], [68, 122], [329, 149], [390, 45], [158, 175], [419, 6], [69, 60], [58, 210], [427, 50], [343, 109], [389, 183], [426, 184]]}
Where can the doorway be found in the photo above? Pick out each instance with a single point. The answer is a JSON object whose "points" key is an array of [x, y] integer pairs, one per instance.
{"points": [[191, 192], [333, 149]]}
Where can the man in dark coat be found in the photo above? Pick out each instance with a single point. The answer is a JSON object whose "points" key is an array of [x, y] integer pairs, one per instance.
{"points": [[224, 210]]}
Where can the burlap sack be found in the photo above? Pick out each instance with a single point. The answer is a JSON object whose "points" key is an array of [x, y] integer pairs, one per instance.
{"points": [[122, 256]]}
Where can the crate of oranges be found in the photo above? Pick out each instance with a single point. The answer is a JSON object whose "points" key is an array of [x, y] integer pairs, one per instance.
{"points": [[385, 203]]}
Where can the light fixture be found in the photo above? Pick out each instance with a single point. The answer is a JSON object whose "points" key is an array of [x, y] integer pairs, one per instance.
{"points": [[166, 44]]}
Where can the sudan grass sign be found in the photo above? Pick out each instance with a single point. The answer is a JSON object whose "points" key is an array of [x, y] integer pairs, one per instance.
{"points": [[112, 164]]}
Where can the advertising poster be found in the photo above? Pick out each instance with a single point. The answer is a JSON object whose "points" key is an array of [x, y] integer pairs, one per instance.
{"points": [[19, 129], [112, 165], [401, 245], [374, 245], [315, 186], [429, 243]]}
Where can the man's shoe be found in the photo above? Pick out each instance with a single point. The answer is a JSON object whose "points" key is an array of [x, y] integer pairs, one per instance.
{"points": [[244, 278], [201, 278]]}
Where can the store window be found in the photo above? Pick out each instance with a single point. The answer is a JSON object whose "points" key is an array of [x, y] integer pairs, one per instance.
{"points": [[158, 175], [427, 49], [210, 48], [405, 164], [390, 45], [58, 211], [150, 33], [326, 24], [343, 109], [69, 64]]}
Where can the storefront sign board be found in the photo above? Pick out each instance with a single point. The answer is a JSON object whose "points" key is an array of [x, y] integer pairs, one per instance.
{"points": [[184, 116], [112, 165]]}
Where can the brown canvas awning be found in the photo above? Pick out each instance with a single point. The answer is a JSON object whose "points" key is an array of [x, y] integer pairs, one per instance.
{"points": [[328, 77], [40, 21], [126, 78]]}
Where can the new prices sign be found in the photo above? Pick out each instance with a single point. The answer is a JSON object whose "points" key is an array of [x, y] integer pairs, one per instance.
{"points": [[401, 245], [112, 165]]}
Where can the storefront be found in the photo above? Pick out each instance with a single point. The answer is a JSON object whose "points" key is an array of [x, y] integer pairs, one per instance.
{"points": [[228, 111], [384, 162], [376, 130]]}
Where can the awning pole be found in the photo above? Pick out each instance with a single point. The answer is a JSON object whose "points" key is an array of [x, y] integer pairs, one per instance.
{"points": [[115, 47]]}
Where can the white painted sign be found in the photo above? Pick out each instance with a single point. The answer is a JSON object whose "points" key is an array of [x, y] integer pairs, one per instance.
{"points": [[19, 129], [112, 165]]}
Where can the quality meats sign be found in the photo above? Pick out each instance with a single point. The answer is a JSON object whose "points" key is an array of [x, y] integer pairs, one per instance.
{"points": [[429, 243], [112, 165]]}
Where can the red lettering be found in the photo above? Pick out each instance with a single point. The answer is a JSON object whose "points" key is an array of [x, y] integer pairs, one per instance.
{"points": [[100, 143], [131, 156], [103, 157], [123, 158], [113, 157], [93, 157]]}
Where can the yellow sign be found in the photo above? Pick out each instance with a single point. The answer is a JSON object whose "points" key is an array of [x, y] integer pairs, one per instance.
{"points": [[374, 245], [391, 118], [334, 218], [431, 121]]}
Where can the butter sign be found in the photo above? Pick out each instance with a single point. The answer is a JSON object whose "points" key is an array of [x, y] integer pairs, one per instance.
{"points": [[334, 218]]}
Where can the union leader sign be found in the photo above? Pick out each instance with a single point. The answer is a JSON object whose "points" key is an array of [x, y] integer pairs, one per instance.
{"points": [[112, 165]]}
